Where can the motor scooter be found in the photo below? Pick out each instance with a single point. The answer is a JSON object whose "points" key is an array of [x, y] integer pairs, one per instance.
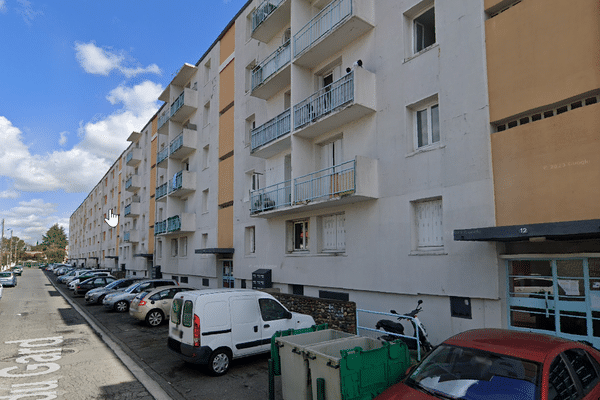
{"points": [[397, 328]]}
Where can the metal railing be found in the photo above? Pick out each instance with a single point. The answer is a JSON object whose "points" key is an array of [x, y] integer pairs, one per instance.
{"points": [[128, 183], [176, 182], [163, 119], [173, 224], [328, 182], [271, 197], [160, 227], [381, 332], [272, 64], [127, 210], [275, 128], [263, 11], [177, 103], [324, 100], [161, 190], [322, 24], [126, 236], [176, 143], [162, 155]]}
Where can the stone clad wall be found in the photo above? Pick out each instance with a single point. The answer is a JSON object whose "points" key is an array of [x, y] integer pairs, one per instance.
{"points": [[339, 315]]}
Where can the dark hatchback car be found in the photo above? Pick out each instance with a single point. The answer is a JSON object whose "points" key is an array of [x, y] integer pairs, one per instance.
{"points": [[92, 283]]}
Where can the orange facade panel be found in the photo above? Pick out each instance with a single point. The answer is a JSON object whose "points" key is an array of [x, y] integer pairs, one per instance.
{"points": [[225, 181], [153, 151], [226, 86], [548, 171], [227, 44], [226, 132], [541, 52], [225, 228]]}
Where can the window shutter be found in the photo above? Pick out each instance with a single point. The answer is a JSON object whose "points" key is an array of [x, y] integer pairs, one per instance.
{"points": [[341, 232], [329, 232]]}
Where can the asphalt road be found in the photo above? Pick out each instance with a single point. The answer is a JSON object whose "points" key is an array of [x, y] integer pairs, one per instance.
{"points": [[147, 348]]}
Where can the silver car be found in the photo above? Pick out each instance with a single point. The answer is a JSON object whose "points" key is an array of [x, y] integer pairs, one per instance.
{"points": [[154, 305], [8, 278], [95, 296], [120, 301]]}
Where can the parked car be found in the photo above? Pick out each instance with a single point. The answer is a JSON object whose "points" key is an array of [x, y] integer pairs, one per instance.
{"points": [[214, 326], [120, 301], [95, 296], [73, 282], [8, 278], [92, 283], [503, 364], [154, 305], [18, 270]]}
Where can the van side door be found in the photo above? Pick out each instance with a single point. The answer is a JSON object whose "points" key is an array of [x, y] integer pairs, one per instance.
{"points": [[245, 326], [274, 318]]}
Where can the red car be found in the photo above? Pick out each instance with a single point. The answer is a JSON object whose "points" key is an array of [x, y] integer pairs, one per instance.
{"points": [[501, 364]]}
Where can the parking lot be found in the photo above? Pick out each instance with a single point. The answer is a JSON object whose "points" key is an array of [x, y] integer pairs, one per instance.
{"points": [[247, 378]]}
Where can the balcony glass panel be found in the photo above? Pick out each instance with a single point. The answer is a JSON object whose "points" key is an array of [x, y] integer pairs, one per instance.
{"points": [[176, 182], [128, 183], [173, 224], [322, 24], [126, 236], [273, 129], [127, 209], [128, 157], [177, 104], [163, 119], [176, 143], [272, 64], [161, 190], [263, 11], [325, 100], [162, 155], [326, 183], [271, 197], [160, 227]]}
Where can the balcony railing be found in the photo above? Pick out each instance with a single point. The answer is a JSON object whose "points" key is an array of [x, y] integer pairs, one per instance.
{"points": [[176, 105], [271, 197], [127, 209], [263, 11], [326, 183], [160, 227], [323, 23], [162, 155], [325, 100], [173, 224], [126, 236], [176, 182], [161, 191], [176, 143], [272, 64], [271, 130]]}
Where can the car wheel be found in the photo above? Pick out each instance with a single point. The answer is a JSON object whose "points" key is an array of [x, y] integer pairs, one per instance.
{"points": [[218, 363], [121, 306], [155, 318]]}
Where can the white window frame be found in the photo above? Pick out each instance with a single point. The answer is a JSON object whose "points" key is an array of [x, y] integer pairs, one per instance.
{"points": [[292, 244], [250, 240], [183, 242], [415, 26], [430, 110], [428, 225], [174, 247]]}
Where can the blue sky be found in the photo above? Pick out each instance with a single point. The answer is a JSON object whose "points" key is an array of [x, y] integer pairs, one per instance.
{"points": [[76, 78]]}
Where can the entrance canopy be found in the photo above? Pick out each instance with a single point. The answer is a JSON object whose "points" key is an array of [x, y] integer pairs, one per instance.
{"points": [[215, 250], [571, 230]]}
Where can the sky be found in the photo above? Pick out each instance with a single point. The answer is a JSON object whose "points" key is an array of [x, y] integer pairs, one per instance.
{"points": [[76, 78]]}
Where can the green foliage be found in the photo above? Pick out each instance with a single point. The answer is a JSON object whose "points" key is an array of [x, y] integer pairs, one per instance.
{"points": [[54, 244]]}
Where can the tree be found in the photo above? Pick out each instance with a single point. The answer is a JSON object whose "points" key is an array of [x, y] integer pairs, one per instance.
{"points": [[54, 244]]}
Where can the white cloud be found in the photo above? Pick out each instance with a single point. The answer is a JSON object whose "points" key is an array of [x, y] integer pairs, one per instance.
{"points": [[99, 61], [9, 194], [32, 219], [63, 138], [27, 11], [3, 7]]}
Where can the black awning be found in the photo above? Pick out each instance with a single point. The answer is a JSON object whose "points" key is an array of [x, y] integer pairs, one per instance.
{"points": [[115, 257], [147, 255], [215, 250], [570, 230]]}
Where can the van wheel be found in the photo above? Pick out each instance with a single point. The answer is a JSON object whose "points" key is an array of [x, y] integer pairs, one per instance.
{"points": [[218, 363], [121, 306], [154, 318]]}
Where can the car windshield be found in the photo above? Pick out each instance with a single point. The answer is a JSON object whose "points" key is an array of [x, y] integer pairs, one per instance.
{"points": [[131, 288], [5, 274], [113, 284], [465, 373]]}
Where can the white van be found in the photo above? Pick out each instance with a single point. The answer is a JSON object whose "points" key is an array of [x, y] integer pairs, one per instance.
{"points": [[214, 326]]}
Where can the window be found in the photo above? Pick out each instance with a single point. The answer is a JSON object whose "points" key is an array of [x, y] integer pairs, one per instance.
{"points": [[561, 385], [206, 113], [270, 310], [205, 153], [427, 125], [207, 72], [585, 368], [333, 233], [250, 240], [428, 225], [204, 243], [424, 30], [183, 246], [205, 200], [250, 125], [173, 247], [298, 235]]}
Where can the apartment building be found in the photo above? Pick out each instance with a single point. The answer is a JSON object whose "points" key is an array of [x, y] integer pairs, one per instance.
{"points": [[384, 151]]}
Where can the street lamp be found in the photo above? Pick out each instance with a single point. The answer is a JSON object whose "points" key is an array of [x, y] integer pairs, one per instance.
{"points": [[9, 259]]}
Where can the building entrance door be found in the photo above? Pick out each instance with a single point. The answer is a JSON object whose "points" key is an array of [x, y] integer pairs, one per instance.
{"points": [[227, 268], [556, 296]]}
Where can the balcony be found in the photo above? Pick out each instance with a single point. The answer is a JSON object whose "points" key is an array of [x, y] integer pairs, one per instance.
{"points": [[265, 141], [161, 192], [132, 210], [184, 106], [162, 122], [270, 17], [346, 183], [348, 99], [133, 184], [182, 184], [273, 74], [132, 236], [333, 28], [184, 223], [134, 157], [134, 136], [160, 227], [161, 157], [183, 145]]}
